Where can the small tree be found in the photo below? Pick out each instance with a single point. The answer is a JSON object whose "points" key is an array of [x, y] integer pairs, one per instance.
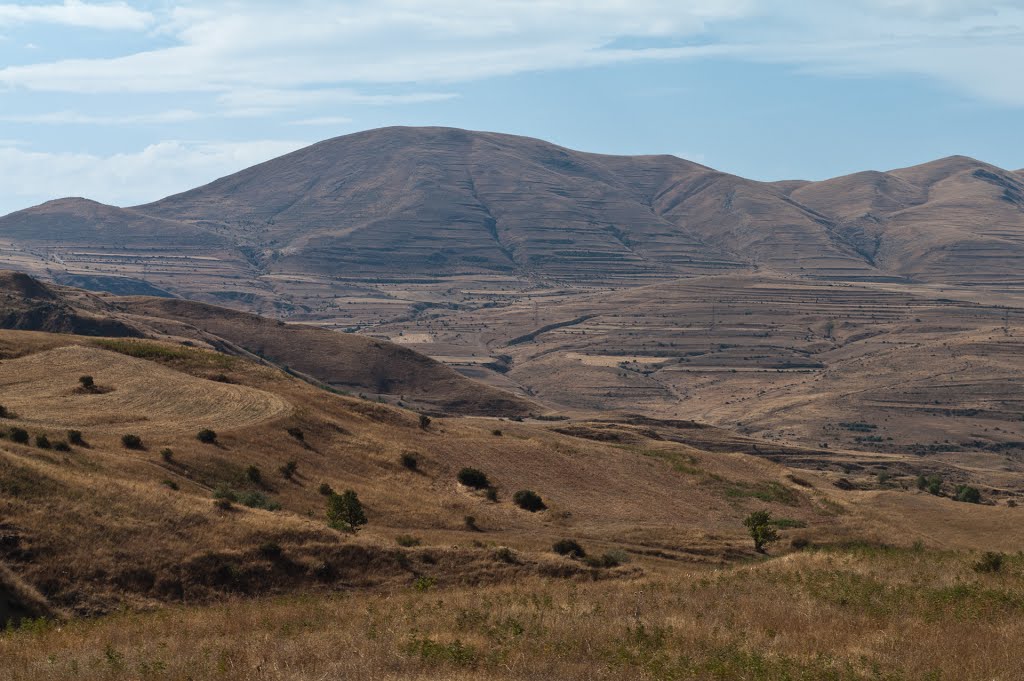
{"points": [[472, 477], [424, 421], [528, 500], [410, 461], [345, 511], [19, 435], [75, 438], [759, 523], [43, 442], [207, 436], [87, 383], [326, 489], [167, 454]]}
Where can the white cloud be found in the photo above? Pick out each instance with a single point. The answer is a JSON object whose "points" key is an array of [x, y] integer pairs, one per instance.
{"points": [[108, 16], [31, 177], [76, 118], [261, 57]]}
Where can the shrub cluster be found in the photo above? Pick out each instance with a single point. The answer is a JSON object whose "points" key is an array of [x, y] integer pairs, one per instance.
{"points": [[476, 479], [130, 441], [568, 547], [207, 436], [528, 500]]}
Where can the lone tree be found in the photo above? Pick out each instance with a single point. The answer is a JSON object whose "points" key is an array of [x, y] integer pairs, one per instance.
{"points": [[345, 512], [762, 531], [87, 382]]}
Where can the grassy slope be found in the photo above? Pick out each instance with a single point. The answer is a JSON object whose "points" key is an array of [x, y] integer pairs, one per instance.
{"points": [[853, 613]]}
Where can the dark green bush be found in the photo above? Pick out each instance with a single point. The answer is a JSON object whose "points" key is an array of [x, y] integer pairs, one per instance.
{"points": [[326, 489], [170, 484], [528, 500], [607, 560], [471, 477], [492, 494], [271, 550], [288, 470], [254, 475], [43, 442], [87, 383], [75, 438], [3, 412], [61, 446], [424, 421], [167, 455], [496, 433], [568, 547], [968, 494], [470, 523], [19, 435], [258, 500], [410, 461], [223, 504], [131, 441], [207, 436]]}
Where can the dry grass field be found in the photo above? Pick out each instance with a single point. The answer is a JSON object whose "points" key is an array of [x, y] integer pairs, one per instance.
{"points": [[859, 612]]}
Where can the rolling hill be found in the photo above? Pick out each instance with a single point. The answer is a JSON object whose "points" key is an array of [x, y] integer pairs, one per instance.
{"points": [[319, 230], [341, 361]]}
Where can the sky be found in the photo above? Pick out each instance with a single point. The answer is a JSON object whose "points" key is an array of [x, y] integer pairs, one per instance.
{"points": [[126, 102]]}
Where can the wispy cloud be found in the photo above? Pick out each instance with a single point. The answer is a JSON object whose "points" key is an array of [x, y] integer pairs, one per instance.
{"points": [[32, 177], [106, 16], [323, 120], [76, 118]]}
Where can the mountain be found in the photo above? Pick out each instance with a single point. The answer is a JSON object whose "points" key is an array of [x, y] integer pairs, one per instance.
{"points": [[337, 360], [338, 218]]}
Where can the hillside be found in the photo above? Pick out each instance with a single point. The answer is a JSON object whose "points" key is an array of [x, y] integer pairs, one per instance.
{"points": [[342, 361], [323, 233]]}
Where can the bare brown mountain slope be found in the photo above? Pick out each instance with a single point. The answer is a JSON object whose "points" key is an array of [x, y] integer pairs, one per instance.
{"points": [[339, 219], [342, 361]]}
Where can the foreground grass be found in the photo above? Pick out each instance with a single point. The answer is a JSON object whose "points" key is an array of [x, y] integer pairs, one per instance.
{"points": [[855, 613]]}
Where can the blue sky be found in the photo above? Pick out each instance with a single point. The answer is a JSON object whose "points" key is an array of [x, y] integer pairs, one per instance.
{"points": [[126, 102]]}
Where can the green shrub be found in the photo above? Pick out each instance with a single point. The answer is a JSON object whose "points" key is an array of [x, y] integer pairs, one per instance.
{"points": [[87, 383], [207, 436], [424, 421], [569, 547], [410, 461], [476, 479], [254, 475], [470, 523], [61, 446], [288, 470], [496, 433], [19, 435], [492, 494], [326, 489], [258, 500], [762, 531], [43, 442], [528, 500], [968, 494], [345, 512], [75, 438], [608, 560], [506, 555], [130, 441], [990, 562], [4, 414], [167, 455], [407, 540], [223, 504], [224, 492], [170, 484]]}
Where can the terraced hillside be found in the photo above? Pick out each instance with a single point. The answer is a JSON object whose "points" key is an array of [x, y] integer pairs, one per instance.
{"points": [[378, 225], [781, 357]]}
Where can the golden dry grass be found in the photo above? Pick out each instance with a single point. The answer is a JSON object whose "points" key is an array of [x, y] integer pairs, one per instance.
{"points": [[855, 613]]}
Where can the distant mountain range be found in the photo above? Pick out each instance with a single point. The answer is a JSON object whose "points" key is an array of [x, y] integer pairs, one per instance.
{"points": [[428, 202]]}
